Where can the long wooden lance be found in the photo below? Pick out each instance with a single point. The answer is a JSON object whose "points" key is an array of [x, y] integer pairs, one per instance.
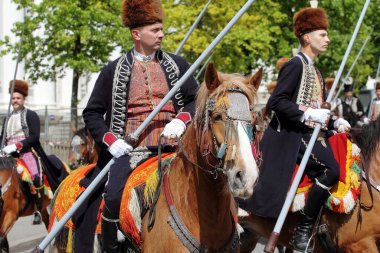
{"points": [[192, 28], [352, 66], [59, 225], [203, 67], [11, 92], [272, 242]]}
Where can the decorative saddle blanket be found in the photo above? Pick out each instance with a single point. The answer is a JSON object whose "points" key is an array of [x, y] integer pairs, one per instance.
{"points": [[25, 176], [137, 196], [344, 194]]}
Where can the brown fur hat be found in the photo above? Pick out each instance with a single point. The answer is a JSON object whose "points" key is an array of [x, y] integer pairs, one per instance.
{"points": [[308, 20], [378, 86], [20, 87], [280, 63], [271, 86], [138, 13], [329, 81]]}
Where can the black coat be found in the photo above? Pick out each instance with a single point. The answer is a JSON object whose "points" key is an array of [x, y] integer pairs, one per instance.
{"points": [[280, 143], [51, 165], [101, 110]]}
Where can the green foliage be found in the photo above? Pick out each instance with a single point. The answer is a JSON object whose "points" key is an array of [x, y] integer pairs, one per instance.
{"points": [[81, 34], [61, 34]]}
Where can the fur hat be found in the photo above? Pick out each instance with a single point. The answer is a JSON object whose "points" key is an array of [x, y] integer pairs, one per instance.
{"points": [[20, 87], [280, 63], [348, 87], [138, 13], [378, 86], [329, 82], [308, 20]]}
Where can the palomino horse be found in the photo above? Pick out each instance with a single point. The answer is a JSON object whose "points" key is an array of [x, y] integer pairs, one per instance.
{"points": [[83, 150], [16, 199], [213, 164], [358, 231], [203, 182]]}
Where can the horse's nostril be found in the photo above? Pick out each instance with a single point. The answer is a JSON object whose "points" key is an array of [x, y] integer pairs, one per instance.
{"points": [[239, 175]]}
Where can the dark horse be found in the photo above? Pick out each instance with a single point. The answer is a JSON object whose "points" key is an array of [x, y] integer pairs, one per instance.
{"points": [[16, 199], [83, 150], [358, 231], [213, 164]]}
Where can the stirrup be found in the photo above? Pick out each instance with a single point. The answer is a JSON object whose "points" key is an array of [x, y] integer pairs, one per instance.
{"points": [[37, 219]]}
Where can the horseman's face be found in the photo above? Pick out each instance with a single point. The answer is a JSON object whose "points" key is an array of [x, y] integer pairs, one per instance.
{"points": [[318, 41], [149, 37], [378, 93], [18, 101]]}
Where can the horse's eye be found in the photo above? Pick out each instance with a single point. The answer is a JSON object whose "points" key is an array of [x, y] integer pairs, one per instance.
{"points": [[217, 117]]}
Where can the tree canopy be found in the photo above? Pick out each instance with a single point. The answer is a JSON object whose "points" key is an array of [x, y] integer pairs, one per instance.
{"points": [[81, 34]]}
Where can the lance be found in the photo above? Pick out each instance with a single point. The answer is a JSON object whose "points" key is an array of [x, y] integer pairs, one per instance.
{"points": [[272, 242], [11, 91], [352, 66], [134, 136], [192, 28]]}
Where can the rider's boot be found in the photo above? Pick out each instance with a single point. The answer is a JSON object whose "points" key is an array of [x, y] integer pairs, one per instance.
{"points": [[110, 224], [303, 232], [38, 198]]}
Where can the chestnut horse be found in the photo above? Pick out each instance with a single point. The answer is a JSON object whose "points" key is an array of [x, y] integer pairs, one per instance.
{"points": [[358, 231], [213, 164], [16, 199], [83, 150]]}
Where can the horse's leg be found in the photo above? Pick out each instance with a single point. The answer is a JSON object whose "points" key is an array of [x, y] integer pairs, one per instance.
{"points": [[45, 217], [248, 241], [4, 245], [367, 245]]}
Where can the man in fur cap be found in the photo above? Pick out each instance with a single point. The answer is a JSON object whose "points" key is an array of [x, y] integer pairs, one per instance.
{"points": [[297, 104], [126, 92], [22, 139], [374, 108]]}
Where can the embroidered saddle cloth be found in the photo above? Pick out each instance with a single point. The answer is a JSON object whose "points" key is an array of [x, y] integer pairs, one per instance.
{"points": [[344, 194]]}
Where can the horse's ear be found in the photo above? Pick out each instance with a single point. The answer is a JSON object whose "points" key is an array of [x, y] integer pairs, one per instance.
{"points": [[255, 80], [211, 77]]}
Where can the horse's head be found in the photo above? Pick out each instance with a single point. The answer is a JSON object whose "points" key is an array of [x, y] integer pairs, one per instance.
{"points": [[83, 149], [224, 122]]}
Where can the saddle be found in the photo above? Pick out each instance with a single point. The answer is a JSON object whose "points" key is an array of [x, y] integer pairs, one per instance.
{"points": [[344, 194], [26, 177], [137, 197]]}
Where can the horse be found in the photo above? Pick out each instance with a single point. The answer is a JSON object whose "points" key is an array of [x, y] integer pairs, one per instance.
{"points": [[213, 164], [83, 150], [16, 199], [358, 231]]}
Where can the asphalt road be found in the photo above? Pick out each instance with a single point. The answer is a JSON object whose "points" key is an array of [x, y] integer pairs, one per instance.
{"points": [[24, 237]]}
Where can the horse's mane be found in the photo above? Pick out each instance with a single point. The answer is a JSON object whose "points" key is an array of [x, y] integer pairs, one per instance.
{"points": [[7, 162], [228, 81], [82, 133], [367, 139]]}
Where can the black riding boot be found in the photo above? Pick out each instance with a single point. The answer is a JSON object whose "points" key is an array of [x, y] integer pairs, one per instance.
{"points": [[317, 196], [110, 225], [38, 199]]}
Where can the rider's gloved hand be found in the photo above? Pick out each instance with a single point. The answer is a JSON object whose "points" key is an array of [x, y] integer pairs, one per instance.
{"points": [[342, 125], [317, 115], [117, 147], [174, 128], [11, 148]]}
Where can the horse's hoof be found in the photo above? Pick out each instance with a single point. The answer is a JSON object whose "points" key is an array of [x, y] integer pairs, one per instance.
{"points": [[37, 218]]}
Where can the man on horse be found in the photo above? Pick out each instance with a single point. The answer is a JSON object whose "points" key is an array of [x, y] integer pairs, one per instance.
{"points": [[22, 140], [126, 92], [374, 108], [352, 107], [297, 104]]}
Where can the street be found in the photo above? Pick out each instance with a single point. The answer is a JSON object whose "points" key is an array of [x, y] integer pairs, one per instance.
{"points": [[24, 236]]}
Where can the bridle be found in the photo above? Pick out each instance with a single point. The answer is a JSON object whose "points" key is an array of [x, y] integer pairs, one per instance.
{"points": [[216, 154]]}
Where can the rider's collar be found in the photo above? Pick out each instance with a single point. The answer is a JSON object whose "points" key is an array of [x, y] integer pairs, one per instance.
{"points": [[143, 58]]}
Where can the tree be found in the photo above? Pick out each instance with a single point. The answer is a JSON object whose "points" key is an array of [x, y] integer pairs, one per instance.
{"points": [[59, 35]]}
